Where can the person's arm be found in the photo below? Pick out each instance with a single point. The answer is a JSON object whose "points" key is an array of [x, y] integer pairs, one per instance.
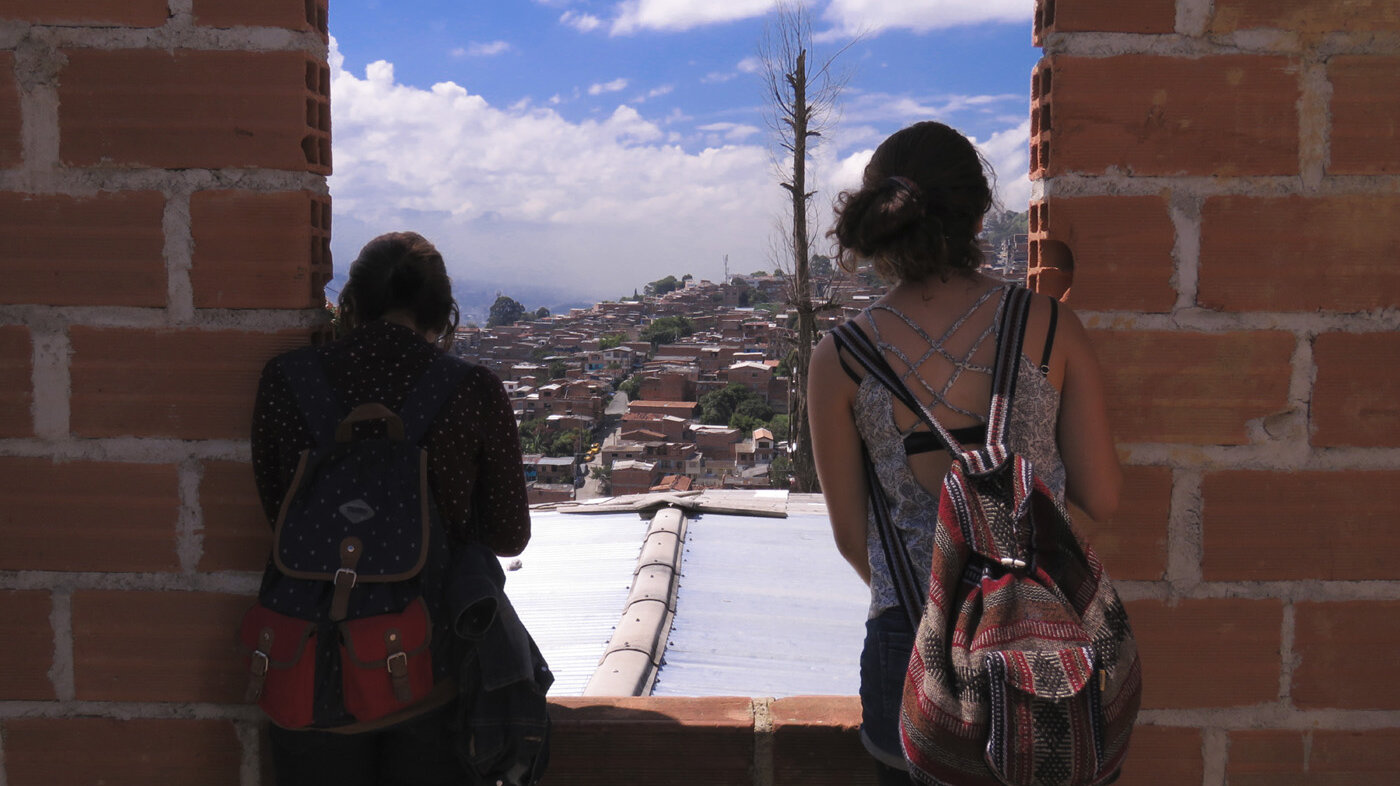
{"points": [[274, 415], [836, 447], [1093, 478], [474, 455]]}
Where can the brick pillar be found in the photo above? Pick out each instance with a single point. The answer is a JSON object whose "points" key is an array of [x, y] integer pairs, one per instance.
{"points": [[1226, 175], [164, 229]]}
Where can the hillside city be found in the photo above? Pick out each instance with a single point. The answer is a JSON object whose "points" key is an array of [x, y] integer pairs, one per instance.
{"points": [[682, 386]]}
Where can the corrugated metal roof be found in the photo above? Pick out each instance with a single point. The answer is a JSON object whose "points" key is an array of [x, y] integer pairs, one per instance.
{"points": [[572, 586], [766, 607]]}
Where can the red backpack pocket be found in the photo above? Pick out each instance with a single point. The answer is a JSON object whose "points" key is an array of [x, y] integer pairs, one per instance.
{"points": [[386, 663], [281, 665]]}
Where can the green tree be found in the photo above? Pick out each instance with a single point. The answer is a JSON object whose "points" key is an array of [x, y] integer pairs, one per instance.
{"points": [[821, 266], [661, 286], [718, 406], [505, 311], [632, 386], [610, 341], [603, 475], [754, 406], [541, 312], [745, 424], [779, 426], [666, 330], [557, 369]]}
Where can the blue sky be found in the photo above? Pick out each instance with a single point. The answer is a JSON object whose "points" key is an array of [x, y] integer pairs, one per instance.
{"points": [[572, 150]]}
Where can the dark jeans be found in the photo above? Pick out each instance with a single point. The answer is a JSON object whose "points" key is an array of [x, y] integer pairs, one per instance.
{"points": [[884, 661], [417, 752]]}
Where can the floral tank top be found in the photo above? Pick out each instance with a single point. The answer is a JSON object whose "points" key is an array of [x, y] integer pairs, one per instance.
{"points": [[913, 508]]}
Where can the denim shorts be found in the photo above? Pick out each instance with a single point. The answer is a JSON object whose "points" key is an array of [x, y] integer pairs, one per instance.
{"points": [[883, 664]]}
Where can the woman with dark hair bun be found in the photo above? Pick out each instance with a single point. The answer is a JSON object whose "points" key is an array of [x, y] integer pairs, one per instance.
{"points": [[397, 316], [915, 220]]}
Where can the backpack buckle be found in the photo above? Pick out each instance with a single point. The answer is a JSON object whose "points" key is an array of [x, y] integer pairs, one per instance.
{"points": [[397, 664], [260, 663], [1011, 562], [350, 576]]}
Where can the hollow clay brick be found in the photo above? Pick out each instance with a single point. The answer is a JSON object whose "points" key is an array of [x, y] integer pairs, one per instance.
{"points": [[1277, 526], [1356, 399], [105, 13], [16, 382], [816, 740], [1122, 250], [133, 752], [236, 532], [1306, 16], [116, 109], [11, 148], [290, 14], [258, 250], [1163, 756], [1216, 652], [1227, 115], [1345, 650], [25, 629], [1198, 388], [103, 250], [1365, 135], [88, 516], [1300, 253], [1108, 16], [604, 741], [1133, 543], [154, 646], [186, 384]]}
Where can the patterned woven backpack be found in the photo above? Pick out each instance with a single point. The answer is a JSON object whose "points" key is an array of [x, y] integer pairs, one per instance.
{"points": [[1024, 669]]}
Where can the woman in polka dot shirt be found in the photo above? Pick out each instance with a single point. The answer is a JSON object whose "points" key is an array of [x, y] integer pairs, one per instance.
{"points": [[399, 312]]}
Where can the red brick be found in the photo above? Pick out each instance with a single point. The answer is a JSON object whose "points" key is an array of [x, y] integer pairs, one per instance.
{"points": [[1133, 544], [1344, 652], [1300, 253], [1198, 388], [1163, 756], [236, 531], [291, 14], [1356, 398], [11, 148], [259, 250], [1208, 653], [1278, 526], [88, 516], [1365, 115], [116, 13], [106, 250], [16, 382], [187, 384], [25, 629], [606, 741], [1306, 16], [816, 740], [1313, 758], [1104, 16], [158, 646], [116, 109], [45, 751], [1229, 115], [1122, 250]]}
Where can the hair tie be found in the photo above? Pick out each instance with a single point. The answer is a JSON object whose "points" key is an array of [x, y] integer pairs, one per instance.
{"points": [[904, 184]]}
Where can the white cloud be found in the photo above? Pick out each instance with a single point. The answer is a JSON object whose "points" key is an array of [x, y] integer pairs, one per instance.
{"points": [[482, 49], [635, 15], [655, 92], [750, 65], [733, 132], [584, 23], [849, 17], [607, 87], [521, 194]]}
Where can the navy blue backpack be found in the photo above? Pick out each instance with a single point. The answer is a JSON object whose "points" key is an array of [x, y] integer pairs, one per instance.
{"points": [[350, 626]]}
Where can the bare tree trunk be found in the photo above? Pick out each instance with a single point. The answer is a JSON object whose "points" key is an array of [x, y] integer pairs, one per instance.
{"points": [[804, 467]]}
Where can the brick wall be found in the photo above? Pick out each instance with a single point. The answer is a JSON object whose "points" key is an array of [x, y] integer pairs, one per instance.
{"points": [[149, 268], [1225, 175]]}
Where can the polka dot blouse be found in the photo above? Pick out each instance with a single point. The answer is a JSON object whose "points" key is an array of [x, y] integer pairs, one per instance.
{"points": [[473, 447]]}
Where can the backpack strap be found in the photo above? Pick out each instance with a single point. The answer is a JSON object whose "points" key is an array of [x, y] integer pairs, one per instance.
{"points": [[1011, 336], [429, 394], [314, 395]]}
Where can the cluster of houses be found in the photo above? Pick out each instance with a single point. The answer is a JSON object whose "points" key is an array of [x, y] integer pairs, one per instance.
{"points": [[563, 372]]}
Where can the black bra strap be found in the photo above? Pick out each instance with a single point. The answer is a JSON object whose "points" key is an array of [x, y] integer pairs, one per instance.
{"points": [[1050, 337]]}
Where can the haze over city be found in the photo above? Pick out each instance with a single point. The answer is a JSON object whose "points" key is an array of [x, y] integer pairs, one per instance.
{"points": [[567, 151]]}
